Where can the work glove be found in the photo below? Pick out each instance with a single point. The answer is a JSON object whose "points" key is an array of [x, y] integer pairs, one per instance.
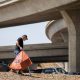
{"points": [[21, 48]]}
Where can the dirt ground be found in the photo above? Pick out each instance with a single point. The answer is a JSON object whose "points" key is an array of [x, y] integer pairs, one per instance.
{"points": [[14, 76], [35, 76]]}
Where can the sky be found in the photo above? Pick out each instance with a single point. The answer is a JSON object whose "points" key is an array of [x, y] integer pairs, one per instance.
{"points": [[35, 32]]}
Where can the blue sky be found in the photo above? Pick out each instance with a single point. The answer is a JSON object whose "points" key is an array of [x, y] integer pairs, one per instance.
{"points": [[36, 34]]}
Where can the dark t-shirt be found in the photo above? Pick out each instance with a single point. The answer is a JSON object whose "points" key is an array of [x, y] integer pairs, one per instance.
{"points": [[20, 41]]}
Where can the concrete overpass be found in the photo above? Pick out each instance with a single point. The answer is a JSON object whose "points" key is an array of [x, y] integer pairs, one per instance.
{"points": [[39, 53], [30, 11], [57, 31]]}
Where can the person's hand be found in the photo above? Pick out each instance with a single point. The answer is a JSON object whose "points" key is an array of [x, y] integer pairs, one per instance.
{"points": [[21, 48]]}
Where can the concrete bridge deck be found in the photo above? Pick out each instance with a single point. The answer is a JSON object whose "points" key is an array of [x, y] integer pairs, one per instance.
{"points": [[39, 52], [30, 11]]}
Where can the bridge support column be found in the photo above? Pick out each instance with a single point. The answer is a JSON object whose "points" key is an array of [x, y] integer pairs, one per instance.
{"points": [[72, 18]]}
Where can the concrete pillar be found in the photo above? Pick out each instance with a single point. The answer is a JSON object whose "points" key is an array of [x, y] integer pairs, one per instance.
{"points": [[72, 18]]}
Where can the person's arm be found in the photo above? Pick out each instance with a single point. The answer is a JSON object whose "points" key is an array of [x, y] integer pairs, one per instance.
{"points": [[17, 43]]}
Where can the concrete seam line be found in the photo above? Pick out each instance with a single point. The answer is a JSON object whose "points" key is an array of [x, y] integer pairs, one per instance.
{"points": [[8, 2]]}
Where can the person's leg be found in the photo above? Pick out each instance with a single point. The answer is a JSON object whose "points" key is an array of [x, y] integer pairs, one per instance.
{"points": [[16, 52]]}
